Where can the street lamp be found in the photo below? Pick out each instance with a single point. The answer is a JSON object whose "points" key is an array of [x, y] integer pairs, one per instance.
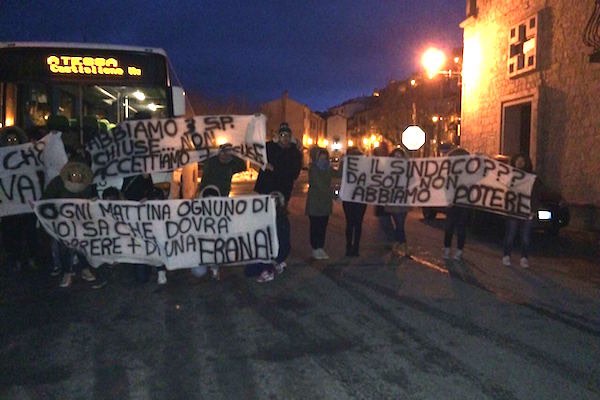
{"points": [[433, 60]]}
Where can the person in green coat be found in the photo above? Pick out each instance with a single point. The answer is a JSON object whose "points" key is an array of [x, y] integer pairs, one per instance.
{"points": [[319, 201]]}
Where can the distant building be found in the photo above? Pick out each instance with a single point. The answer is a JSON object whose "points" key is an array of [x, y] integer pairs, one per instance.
{"points": [[531, 78], [350, 107], [308, 127], [337, 130]]}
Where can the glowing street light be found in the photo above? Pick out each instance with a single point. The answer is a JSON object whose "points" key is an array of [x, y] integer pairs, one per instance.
{"points": [[433, 60]]}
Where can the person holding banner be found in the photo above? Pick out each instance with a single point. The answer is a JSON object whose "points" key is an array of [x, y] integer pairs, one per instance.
{"points": [[456, 221], [200, 271], [319, 201], [354, 213], [219, 170], [18, 231], [139, 188], [398, 217], [266, 271], [522, 226], [73, 182], [283, 167]]}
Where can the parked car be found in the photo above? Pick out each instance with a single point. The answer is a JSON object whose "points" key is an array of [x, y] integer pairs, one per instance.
{"points": [[550, 216]]}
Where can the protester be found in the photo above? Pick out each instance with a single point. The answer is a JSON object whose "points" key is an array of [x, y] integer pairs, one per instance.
{"points": [[354, 213], [267, 270], [161, 271], [139, 188], [283, 167], [73, 182], [319, 201], [521, 226], [18, 231], [219, 170], [397, 214], [383, 218], [200, 271], [104, 270], [456, 221], [184, 182]]}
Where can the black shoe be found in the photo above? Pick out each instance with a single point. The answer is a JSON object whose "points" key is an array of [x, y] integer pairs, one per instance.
{"points": [[99, 284]]}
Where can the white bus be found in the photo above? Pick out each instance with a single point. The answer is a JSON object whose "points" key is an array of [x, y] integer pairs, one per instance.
{"points": [[81, 88]]}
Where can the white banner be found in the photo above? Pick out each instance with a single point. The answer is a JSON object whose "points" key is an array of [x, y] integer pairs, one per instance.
{"points": [[472, 181], [174, 233], [155, 145], [26, 169]]}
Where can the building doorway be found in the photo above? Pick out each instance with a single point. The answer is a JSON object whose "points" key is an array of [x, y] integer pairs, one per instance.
{"points": [[516, 128]]}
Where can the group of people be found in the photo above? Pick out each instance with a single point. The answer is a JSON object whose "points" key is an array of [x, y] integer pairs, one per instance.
{"points": [[392, 219], [276, 178]]}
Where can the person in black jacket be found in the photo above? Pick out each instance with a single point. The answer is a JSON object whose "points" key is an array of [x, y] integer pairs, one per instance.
{"points": [[283, 167], [516, 226]]}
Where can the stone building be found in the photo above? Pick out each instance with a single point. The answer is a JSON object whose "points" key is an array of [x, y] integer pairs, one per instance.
{"points": [[530, 83], [307, 126]]}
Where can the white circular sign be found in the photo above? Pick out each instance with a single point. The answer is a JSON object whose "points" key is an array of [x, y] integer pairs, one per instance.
{"points": [[413, 137]]}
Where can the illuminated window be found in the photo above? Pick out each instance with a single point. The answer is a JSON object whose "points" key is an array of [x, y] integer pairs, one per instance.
{"points": [[522, 47]]}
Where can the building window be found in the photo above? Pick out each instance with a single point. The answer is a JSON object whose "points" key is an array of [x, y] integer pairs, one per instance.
{"points": [[522, 47]]}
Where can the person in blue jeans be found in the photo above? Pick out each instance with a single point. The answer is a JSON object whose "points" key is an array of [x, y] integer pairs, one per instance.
{"points": [[397, 214], [456, 221], [267, 271], [520, 226]]}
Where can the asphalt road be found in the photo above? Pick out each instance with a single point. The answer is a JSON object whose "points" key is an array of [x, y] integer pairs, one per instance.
{"points": [[374, 327]]}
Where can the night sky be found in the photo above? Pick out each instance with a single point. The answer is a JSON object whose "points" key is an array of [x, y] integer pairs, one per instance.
{"points": [[322, 52]]}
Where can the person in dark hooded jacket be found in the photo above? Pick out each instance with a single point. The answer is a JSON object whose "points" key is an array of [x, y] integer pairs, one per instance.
{"points": [[73, 182], [456, 221], [516, 226], [18, 231], [284, 164]]}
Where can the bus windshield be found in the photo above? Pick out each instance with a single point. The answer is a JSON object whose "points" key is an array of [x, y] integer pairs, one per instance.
{"points": [[81, 88]]}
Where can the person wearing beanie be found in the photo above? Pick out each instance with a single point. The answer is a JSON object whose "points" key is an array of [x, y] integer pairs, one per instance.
{"points": [[398, 217], [73, 182], [354, 213], [283, 167], [456, 220], [219, 170], [319, 201], [516, 226], [201, 270], [18, 231]]}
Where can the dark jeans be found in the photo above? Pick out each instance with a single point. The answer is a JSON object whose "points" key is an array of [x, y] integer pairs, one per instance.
{"points": [[67, 259], [19, 238], [456, 221], [514, 225], [283, 236], [318, 228], [399, 219], [354, 213]]}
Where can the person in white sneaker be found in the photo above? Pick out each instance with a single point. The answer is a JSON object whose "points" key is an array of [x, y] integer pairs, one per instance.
{"points": [[73, 182], [319, 201], [456, 220], [266, 271], [521, 226], [398, 216]]}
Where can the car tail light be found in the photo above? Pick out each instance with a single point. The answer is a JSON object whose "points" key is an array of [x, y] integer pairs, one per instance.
{"points": [[544, 215]]}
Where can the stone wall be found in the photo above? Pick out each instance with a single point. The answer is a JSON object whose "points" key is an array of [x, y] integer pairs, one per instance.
{"points": [[563, 89]]}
